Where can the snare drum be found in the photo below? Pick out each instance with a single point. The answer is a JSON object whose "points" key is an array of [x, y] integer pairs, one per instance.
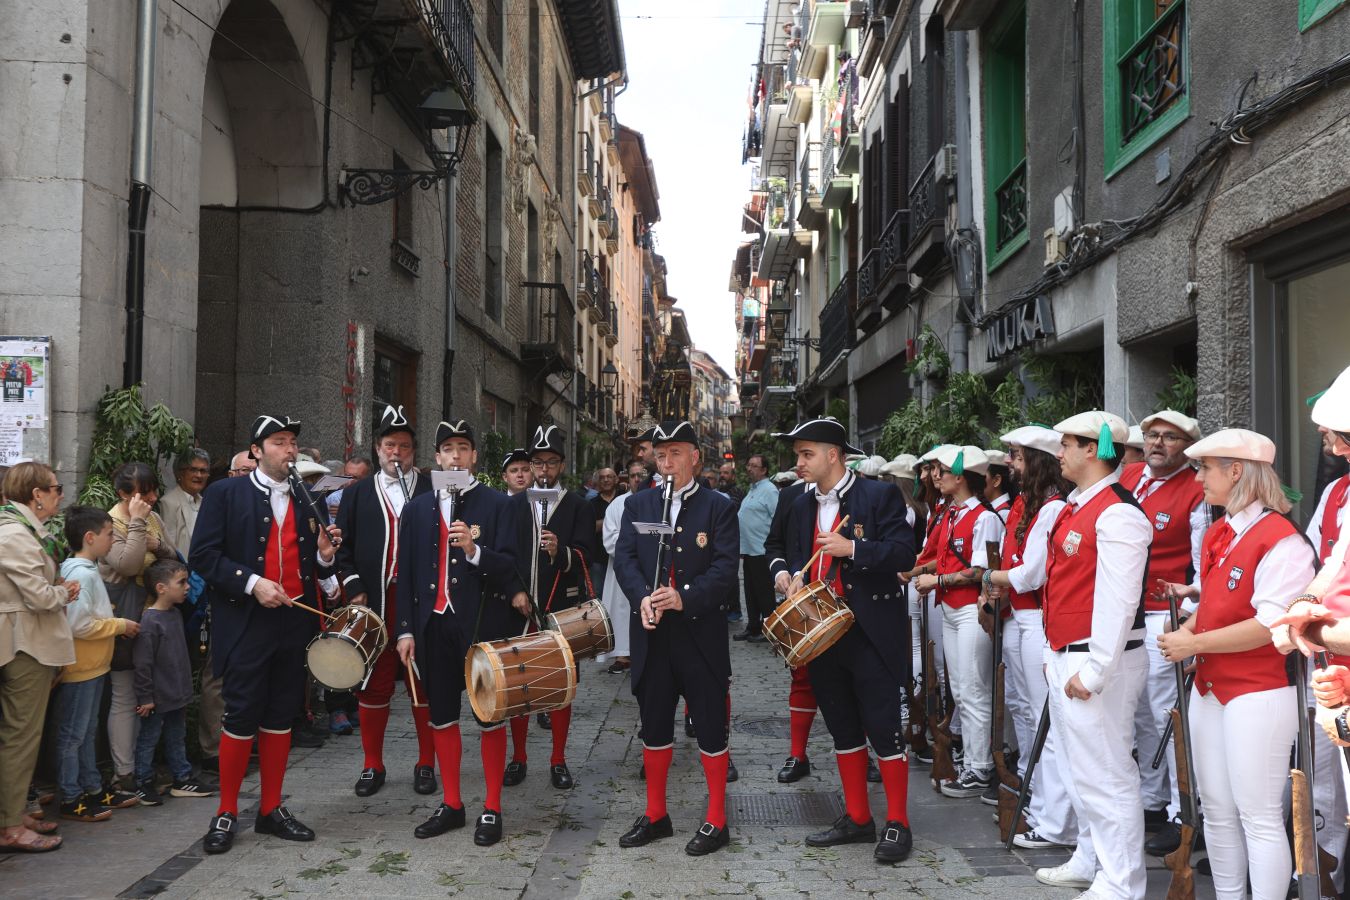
{"points": [[808, 623], [343, 655], [527, 674], [586, 627]]}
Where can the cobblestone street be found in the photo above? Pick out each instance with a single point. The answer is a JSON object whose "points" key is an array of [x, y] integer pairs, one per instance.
{"points": [[557, 844]]}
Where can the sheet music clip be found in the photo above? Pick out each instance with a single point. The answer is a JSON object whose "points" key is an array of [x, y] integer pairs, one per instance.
{"points": [[543, 495], [330, 483], [653, 528], [451, 479]]}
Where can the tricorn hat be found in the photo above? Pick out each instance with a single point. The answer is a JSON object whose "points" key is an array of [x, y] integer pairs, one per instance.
{"points": [[825, 430], [673, 433], [457, 429], [393, 420], [266, 426], [519, 454], [548, 438]]}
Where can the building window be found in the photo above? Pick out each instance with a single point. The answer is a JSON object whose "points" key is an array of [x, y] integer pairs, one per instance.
{"points": [[1310, 12], [395, 382], [1146, 75], [562, 135], [495, 13], [495, 188], [498, 414], [1005, 135], [534, 67]]}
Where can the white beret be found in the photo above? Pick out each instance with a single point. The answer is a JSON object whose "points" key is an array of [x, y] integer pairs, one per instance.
{"points": [[1034, 437], [869, 467], [996, 458], [1107, 429], [1234, 443], [1188, 426], [1136, 438], [1332, 409], [902, 466], [971, 459], [933, 454]]}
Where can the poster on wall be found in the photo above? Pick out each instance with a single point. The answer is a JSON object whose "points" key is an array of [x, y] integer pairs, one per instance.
{"points": [[25, 403]]}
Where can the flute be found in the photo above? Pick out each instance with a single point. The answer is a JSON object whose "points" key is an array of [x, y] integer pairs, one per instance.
{"points": [[302, 493], [398, 467], [663, 548]]}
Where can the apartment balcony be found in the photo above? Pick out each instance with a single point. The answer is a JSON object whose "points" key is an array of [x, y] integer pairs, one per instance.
{"points": [[836, 188], [892, 277], [811, 207], [850, 147], [928, 216], [836, 332], [780, 134], [872, 37], [868, 316], [604, 219], [801, 103], [778, 388], [606, 122], [598, 200], [828, 21], [612, 142], [588, 279], [596, 311], [586, 166], [612, 234], [549, 346], [612, 335]]}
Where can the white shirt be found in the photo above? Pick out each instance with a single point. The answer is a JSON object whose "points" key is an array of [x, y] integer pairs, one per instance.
{"points": [[1199, 519], [677, 499], [1029, 574], [1000, 501], [1281, 574], [1314, 529], [988, 527], [827, 505], [445, 516], [279, 497], [393, 493], [1123, 538]]}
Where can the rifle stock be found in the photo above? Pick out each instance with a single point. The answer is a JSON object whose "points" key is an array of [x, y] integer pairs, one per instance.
{"points": [[1302, 815], [1009, 821], [943, 768], [1182, 885]]}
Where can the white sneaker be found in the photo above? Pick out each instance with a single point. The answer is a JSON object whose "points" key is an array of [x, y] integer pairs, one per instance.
{"points": [[1090, 894], [1063, 876]]}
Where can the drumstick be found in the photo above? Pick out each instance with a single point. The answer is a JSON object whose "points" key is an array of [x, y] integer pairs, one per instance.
{"points": [[296, 602], [412, 683], [812, 561]]}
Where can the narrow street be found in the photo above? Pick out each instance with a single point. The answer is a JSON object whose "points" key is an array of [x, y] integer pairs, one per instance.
{"points": [[557, 844]]}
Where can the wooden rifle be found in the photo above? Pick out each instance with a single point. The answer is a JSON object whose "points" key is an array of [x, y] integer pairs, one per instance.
{"points": [[1302, 815], [1326, 862], [1009, 821], [1182, 885], [1024, 791], [916, 729], [940, 716]]}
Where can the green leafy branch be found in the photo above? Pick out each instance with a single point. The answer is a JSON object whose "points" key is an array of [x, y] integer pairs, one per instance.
{"points": [[126, 431]]}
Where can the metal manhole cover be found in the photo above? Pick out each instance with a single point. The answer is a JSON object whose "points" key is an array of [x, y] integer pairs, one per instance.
{"points": [[775, 727], [804, 808]]}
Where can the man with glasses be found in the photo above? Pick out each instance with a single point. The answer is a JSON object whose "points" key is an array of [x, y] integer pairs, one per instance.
{"points": [[180, 503], [1164, 486], [241, 464]]}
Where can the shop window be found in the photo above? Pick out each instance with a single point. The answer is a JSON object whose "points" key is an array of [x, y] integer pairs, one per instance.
{"points": [[1005, 135], [395, 381], [1146, 77]]}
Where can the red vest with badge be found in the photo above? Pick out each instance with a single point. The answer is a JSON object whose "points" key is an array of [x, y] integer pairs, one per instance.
{"points": [[1014, 550], [1071, 571], [1169, 512], [1226, 588], [1337, 596], [282, 562], [957, 537], [443, 580], [933, 534], [822, 565], [1331, 529]]}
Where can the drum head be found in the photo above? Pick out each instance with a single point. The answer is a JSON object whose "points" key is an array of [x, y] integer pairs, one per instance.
{"points": [[335, 663], [481, 683]]}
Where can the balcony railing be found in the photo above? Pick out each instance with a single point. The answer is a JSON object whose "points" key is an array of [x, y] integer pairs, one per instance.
{"points": [[586, 166], [550, 326], [869, 276], [1152, 71], [836, 322], [588, 278], [924, 208], [456, 34], [1011, 197]]}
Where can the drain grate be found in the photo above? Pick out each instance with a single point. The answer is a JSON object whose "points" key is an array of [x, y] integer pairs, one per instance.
{"points": [[805, 808]]}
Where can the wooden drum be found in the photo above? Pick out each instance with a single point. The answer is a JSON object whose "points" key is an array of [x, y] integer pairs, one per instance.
{"points": [[808, 623], [586, 627], [532, 673], [343, 655]]}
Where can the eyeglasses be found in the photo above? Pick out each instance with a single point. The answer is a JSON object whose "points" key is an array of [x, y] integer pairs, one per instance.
{"points": [[198, 470], [1154, 437], [58, 487], [546, 463]]}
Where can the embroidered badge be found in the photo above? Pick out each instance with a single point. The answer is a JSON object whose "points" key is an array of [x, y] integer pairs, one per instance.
{"points": [[475, 531], [313, 526], [702, 539], [1071, 542], [1234, 576], [1161, 519], [857, 532], [959, 544]]}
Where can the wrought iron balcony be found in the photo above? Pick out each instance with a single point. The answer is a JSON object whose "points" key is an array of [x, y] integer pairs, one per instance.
{"points": [[869, 304], [836, 322], [550, 328], [588, 280], [1153, 73], [892, 271], [586, 166], [927, 221], [1011, 197]]}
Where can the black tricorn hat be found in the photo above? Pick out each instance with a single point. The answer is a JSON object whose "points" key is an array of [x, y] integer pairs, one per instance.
{"points": [[550, 439], [457, 429], [519, 454], [393, 420], [674, 432], [825, 430], [266, 426]]}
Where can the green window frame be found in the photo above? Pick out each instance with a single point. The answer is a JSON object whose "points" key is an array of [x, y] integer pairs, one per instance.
{"points": [[1310, 12], [1005, 135], [1146, 78]]}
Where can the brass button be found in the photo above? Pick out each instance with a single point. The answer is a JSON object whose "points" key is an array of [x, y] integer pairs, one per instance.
{"points": [[262, 540], [454, 581], [238, 571], [266, 519]]}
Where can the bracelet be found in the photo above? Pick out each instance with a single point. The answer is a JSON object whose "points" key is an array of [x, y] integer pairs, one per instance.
{"points": [[988, 578], [1311, 598]]}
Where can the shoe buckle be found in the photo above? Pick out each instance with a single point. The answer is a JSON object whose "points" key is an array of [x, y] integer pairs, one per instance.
{"points": [[892, 834], [487, 819], [707, 829], [368, 775], [283, 813], [223, 823]]}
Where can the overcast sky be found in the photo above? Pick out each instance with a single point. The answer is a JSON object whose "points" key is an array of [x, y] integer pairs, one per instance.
{"points": [[689, 70]]}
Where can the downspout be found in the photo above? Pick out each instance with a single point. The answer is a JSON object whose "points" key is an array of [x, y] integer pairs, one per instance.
{"points": [[138, 204], [961, 246], [448, 367]]}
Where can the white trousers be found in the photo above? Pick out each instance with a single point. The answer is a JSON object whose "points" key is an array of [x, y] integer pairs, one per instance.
{"points": [[1241, 758], [1095, 737], [1157, 697], [1049, 813], [970, 663], [620, 614], [934, 635], [1329, 797], [123, 724]]}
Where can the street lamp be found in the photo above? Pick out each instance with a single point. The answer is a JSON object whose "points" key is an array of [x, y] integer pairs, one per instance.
{"points": [[609, 378]]}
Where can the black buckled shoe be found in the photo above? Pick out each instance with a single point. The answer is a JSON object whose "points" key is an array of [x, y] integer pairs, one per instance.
{"points": [[280, 823], [220, 836], [545, 721], [895, 844], [445, 818], [561, 777], [732, 773], [488, 831], [795, 768], [709, 839], [644, 831], [1167, 839], [370, 782], [515, 773], [873, 773], [424, 779], [844, 831]]}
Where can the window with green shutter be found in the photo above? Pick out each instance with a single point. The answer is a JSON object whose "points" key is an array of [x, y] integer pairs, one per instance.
{"points": [[1146, 77], [1005, 135], [1310, 12]]}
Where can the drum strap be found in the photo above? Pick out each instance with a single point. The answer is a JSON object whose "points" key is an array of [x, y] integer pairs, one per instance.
{"points": [[586, 575]]}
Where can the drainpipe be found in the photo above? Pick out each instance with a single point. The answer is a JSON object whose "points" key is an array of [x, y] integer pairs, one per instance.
{"points": [[448, 367], [138, 205], [963, 246]]}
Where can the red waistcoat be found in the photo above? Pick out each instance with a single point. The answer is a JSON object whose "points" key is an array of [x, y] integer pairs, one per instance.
{"points": [[1225, 599], [931, 535], [282, 562], [1071, 571], [1331, 529], [961, 535], [1013, 551], [1169, 512], [823, 562], [443, 601]]}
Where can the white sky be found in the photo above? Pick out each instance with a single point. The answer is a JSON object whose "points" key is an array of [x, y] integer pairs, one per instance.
{"points": [[689, 71]]}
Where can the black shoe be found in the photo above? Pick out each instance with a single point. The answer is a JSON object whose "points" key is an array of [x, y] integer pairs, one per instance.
{"points": [[688, 726], [544, 721], [303, 737], [148, 794], [445, 818], [1154, 819], [744, 635], [515, 773], [116, 798], [86, 808], [990, 795], [282, 824], [220, 836], [424, 779], [210, 764], [795, 768], [895, 844], [923, 757], [844, 831], [618, 668], [1164, 842], [757, 639], [561, 778], [370, 782], [644, 831], [873, 773], [488, 831], [709, 838], [732, 774]]}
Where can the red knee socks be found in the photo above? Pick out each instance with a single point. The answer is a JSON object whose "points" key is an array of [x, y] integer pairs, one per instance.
{"points": [[426, 748], [801, 711], [273, 750], [853, 775], [561, 720], [715, 771], [448, 745], [520, 726], [374, 720], [895, 776], [234, 753], [493, 747], [657, 766]]}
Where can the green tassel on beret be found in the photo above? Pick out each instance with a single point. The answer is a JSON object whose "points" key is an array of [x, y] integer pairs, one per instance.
{"points": [[959, 465], [1106, 447]]}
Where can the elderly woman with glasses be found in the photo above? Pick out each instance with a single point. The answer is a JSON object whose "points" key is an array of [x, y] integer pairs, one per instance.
{"points": [[35, 642]]}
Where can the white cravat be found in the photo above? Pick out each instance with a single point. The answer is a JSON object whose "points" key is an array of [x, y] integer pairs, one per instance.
{"points": [[279, 495], [393, 491]]}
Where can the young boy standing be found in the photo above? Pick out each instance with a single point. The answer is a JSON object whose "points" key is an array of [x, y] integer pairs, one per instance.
{"points": [[163, 684], [83, 798]]}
